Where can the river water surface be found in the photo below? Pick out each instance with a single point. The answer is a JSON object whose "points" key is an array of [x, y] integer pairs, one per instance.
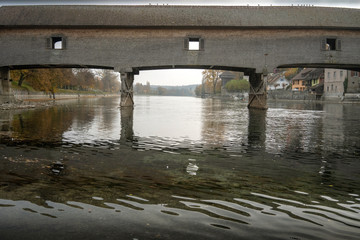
{"points": [[180, 168]]}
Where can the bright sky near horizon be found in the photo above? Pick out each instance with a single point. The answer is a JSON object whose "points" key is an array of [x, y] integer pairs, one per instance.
{"points": [[183, 76]]}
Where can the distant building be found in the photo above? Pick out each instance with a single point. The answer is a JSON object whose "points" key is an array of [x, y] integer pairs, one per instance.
{"points": [[316, 81], [277, 81], [299, 82], [309, 79], [353, 83], [316, 77], [334, 83]]}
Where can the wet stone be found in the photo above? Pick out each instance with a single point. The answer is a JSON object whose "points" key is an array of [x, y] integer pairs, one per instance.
{"points": [[57, 168]]}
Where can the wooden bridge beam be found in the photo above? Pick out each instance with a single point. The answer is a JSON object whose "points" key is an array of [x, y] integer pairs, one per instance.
{"points": [[5, 86], [127, 92], [127, 132]]}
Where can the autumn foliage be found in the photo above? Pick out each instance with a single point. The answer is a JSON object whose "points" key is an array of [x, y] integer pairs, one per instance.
{"points": [[211, 83], [237, 85], [291, 72], [50, 80], [211, 78]]}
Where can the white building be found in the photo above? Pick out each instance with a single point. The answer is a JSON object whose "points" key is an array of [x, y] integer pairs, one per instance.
{"points": [[334, 83], [277, 81]]}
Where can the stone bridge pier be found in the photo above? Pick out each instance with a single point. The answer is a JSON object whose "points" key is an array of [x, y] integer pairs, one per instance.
{"points": [[5, 86]]}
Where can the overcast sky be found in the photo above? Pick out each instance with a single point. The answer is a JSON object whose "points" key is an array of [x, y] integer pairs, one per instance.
{"points": [[178, 76]]}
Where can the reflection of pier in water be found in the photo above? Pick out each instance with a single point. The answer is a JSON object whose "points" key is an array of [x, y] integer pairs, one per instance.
{"points": [[207, 124], [257, 129], [256, 134], [127, 122], [85, 123]]}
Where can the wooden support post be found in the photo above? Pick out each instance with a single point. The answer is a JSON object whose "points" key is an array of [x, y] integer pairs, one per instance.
{"points": [[127, 133], [257, 94], [5, 86], [127, 93]]}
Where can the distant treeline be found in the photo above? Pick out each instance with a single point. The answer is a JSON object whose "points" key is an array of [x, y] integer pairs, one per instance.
{"points": [[147, 89], [50, 80]]}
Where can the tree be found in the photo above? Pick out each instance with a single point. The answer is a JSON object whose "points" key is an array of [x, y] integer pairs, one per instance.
{"points": [[85, 78], [211, 77], [51, 79], [198, 90], [236, 85], [161, 91], [55, 79], [68, 77], [345, 83], [107, 81], [106, 78], [291, 72], [138, 88], [147, 88], [21, 75], [48, 80]]}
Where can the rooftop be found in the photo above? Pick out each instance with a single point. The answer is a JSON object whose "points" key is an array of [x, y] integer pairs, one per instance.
{"points": [[119, 16]]}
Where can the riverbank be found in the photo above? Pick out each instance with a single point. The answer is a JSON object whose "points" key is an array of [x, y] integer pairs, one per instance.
{"points": [[313, 101], [296, 96], [26, 105], [40, 101]]}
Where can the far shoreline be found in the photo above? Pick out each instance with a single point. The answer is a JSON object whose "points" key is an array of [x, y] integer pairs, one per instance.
{"points": [[42, 102]]}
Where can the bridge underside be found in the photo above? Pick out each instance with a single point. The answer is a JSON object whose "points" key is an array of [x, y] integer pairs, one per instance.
{"points": [[352, 67], [136, 70], [257, 94]]}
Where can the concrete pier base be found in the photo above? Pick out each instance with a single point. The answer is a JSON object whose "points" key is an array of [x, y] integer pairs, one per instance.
{"points": [[257, 94], [127, 93], [6, 95]]}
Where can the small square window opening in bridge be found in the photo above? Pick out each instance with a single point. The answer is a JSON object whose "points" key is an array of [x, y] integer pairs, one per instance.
{"points": [[57, 43], [194, 44], [331, 44]]}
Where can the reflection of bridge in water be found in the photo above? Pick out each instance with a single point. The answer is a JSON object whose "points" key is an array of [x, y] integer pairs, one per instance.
{"points": [[130, 39], [256, 127], [211, 126], [81, 122]]}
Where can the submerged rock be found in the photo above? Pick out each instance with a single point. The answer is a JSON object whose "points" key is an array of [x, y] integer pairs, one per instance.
{"points": [[57, 168], [26, 105]]}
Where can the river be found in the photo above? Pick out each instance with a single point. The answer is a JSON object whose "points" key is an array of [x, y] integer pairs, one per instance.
{"points": [[180, 168]]}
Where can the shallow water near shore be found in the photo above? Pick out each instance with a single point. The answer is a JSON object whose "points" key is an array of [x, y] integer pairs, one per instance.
{"points": [[180, 167]]}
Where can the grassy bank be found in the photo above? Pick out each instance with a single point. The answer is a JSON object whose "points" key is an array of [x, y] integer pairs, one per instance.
{"points": [[27, 88], [24, 87]]}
